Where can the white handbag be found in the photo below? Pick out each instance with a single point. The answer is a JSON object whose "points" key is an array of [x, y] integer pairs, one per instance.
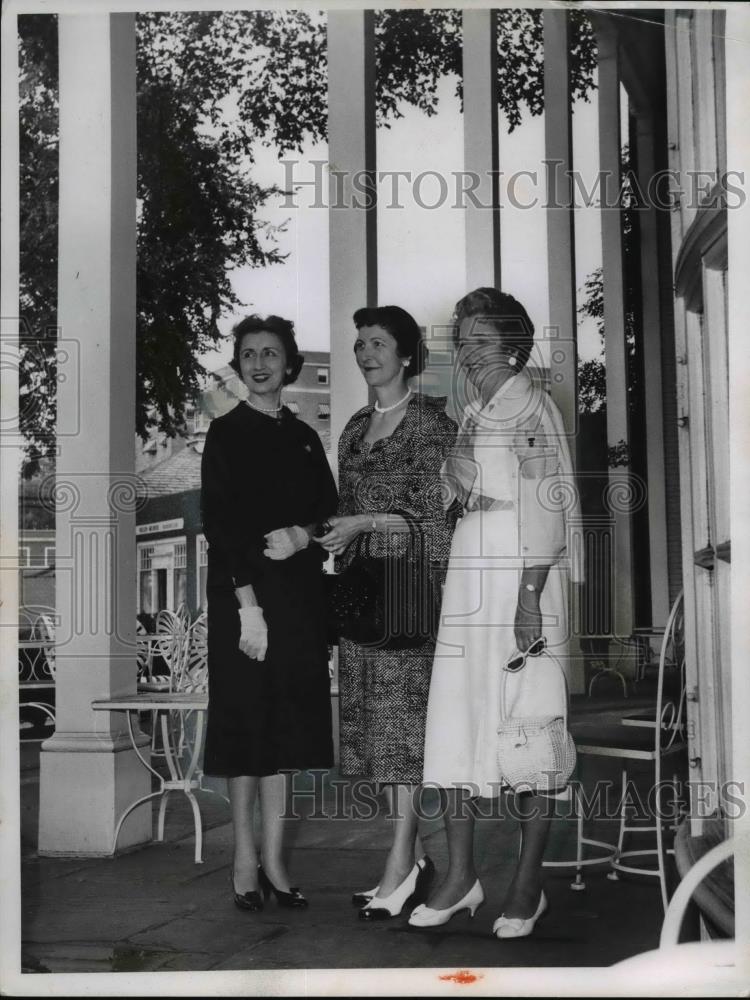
{"points": [[535, 751]]}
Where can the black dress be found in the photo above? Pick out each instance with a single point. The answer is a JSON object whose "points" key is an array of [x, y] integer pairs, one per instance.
{"points": [[259, 474]]}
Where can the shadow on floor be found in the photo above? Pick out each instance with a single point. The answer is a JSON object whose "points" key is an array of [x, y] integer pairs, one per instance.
{"points": [[154, 909]]}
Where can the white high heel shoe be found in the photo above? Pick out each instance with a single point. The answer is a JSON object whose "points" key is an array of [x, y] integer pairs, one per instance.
{"points": [[517, 927], [425, 916]]}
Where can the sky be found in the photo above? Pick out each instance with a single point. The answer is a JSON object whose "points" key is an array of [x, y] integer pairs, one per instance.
{"points": [[420, 249]]}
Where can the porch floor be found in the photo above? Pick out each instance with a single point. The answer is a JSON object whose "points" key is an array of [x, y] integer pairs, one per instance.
{"points": [[154, 909]]}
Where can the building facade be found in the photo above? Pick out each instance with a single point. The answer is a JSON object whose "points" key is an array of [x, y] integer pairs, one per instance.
{"points": [[672, 64]]}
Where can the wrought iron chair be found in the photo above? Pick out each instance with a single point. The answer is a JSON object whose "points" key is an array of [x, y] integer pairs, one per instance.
{"points": [[652, 737]]}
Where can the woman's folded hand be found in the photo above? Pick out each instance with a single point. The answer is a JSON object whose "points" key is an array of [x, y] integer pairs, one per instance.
{"points": [[253, 632], [343, 531], [284, 542]]}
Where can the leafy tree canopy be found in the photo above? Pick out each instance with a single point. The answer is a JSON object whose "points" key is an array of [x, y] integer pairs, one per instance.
{"points": [[210, 85]]}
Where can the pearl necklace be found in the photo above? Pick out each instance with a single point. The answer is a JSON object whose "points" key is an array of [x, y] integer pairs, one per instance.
{"points": [[262, 409], [387, 409]]}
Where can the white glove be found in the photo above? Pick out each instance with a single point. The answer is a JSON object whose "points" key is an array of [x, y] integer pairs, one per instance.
{"points": [[284, 542], [253, 633]]}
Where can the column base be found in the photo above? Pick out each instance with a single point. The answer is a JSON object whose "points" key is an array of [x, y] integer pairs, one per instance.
{"points": [[576, 667], [82, 794]]}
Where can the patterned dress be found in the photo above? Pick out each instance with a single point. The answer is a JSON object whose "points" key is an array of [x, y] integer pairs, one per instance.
{"points": [[383, 692]]}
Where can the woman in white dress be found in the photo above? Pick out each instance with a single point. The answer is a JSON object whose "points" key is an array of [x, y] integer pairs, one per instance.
{"points": [[506, 588]]}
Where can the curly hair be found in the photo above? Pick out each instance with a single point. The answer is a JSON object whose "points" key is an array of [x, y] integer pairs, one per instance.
{"points": [[502, 313], [284, 330], [403, 328]]}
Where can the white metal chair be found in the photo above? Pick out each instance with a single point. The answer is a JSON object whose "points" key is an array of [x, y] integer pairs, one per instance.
{"points": [[675, 914], [652, 737], [183, 616], [168, 646], [36, 662], [183, 731], [195, 675], [695, 966], [193, 678]]}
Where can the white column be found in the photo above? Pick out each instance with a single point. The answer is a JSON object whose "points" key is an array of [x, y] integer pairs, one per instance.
{"points": [[89, 772], [738, 321], [481, 149], [652, 389], [614, 321], [561, 265], [352, 215], [10, 940], [561, 268]]}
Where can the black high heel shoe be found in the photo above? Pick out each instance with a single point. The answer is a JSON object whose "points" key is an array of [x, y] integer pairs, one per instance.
{"points": [[250, 900], [363, 898], [293, 900]]}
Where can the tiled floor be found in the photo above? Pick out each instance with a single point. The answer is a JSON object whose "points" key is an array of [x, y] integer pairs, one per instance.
{"points": [[154, 909]]}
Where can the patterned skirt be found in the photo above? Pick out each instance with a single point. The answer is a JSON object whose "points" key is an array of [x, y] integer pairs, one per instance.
{"points": [[383, 705]]}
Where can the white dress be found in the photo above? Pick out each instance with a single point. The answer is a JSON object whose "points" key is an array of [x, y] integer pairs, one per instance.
{"points": [[488, 553]]}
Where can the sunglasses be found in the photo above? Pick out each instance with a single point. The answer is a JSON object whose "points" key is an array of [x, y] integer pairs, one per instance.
{"points": [[516, 662]]}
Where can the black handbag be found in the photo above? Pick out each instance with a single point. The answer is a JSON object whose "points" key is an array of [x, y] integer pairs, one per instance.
{"points": [[384, 602]]}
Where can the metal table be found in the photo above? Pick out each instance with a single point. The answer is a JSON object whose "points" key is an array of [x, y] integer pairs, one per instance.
{"points": [[180, 779]]}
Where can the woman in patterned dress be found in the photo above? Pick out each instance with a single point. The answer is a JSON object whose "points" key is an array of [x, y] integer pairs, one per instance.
{"points": [[390, 456]]}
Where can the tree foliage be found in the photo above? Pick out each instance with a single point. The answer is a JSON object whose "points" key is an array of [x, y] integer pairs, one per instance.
{"points": [[592, 380], [38, 232], [211, 86], [416, 48]]}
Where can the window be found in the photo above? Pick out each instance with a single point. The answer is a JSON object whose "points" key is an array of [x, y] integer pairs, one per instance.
{"points": [[322, 376], [49, 555], [202, 564], [198, 421], [180, 575], [146, 587], [162, 575], [293, 407], [324, 411], [24, 555]]}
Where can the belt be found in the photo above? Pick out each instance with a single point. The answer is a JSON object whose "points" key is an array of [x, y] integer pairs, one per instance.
{"points": [[481, 502]]}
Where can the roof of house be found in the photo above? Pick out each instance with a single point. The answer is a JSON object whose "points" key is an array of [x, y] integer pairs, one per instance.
{"points": [[181, 472], [176, 474]]}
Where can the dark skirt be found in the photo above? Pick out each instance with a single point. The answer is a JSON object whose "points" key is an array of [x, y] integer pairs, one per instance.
{"points": [[275, 715]]}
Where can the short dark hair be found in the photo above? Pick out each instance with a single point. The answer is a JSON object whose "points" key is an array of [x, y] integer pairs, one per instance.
{"points": [[284, 330], [403, 328], [504, 314]]}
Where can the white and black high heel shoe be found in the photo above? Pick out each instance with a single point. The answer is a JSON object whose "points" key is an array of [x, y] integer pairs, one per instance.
{"points": [[414, 887], [425, 916], [364, 897], [518, 927]]}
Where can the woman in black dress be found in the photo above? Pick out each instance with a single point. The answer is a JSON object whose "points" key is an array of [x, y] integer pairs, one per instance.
{"points": [[266, 483], [390, 454]]}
